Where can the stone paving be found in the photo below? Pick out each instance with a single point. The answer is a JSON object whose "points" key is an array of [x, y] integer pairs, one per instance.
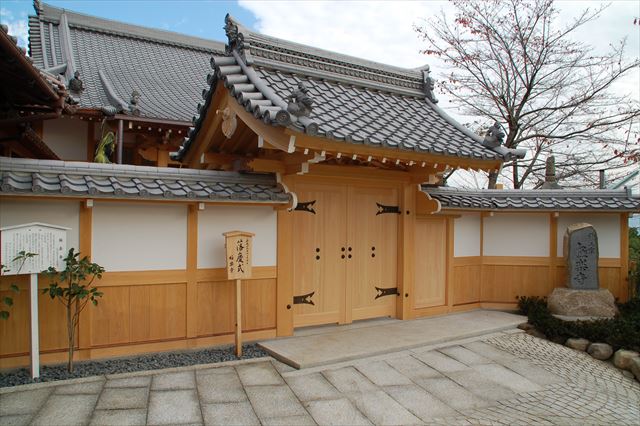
{"points": [[502, 378]]}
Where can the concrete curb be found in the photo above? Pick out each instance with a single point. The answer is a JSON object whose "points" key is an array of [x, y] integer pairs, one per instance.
{"points": [[54, 383]]}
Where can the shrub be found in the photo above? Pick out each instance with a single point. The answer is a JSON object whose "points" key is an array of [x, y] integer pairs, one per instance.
{"points": [[622, 331], [526, 303]]}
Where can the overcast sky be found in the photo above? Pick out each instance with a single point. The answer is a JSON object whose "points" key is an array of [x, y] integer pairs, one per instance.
{"points": [[381, 31]]}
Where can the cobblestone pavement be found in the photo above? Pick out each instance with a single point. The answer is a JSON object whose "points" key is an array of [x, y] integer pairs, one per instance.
{"points": [[503, 378]]}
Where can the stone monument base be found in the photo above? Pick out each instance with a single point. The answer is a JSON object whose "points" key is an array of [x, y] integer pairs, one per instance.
{"points": [[582, 303]]}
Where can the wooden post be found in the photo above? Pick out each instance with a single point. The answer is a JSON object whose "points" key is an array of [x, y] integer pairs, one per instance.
{"points": [[239, 318], [238, 252], [35, 332]]}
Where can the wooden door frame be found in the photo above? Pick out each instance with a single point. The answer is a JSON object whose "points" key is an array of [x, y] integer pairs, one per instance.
{"points": [[407, 192]]}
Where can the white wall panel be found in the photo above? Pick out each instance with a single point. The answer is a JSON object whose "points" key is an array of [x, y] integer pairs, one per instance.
{"points": [[215, 220], [67, 138], [516, 234], [61, 213], [607, 227], [466, 234], [139, 237]]}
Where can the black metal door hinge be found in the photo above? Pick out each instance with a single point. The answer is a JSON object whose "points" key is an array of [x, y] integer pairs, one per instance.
{"points": [[306, 207], [382, 209], [393, 291], [304, 299]]}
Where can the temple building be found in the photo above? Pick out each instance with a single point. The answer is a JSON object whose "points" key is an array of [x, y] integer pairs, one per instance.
{"points": [[335, 163]]}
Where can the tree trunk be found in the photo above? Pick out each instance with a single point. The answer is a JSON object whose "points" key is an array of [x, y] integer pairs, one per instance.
{"points": [[70, 334], [493, 179]]}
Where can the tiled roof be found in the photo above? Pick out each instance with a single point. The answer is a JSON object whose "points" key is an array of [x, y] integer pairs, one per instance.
{"points": [[354, 100], [49, 177], [545, 199], [114, 59], [23, 83]]}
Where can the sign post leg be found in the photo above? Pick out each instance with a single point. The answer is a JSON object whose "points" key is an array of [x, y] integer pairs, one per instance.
{"points": [[238, 318], [35, 335]]}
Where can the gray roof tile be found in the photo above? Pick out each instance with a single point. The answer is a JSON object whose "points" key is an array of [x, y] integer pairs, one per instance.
{"points": [[541, 199], [26, 176], [167, 69], [353, 99]]}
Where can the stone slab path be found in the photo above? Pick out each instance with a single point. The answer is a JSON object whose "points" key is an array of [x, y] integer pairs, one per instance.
{"points": [[500, 378], [328, 345]]}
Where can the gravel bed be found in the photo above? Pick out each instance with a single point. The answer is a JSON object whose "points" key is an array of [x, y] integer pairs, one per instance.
{"points": [[130, 364]]}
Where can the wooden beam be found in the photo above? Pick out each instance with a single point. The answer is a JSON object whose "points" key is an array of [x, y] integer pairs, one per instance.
{"points": [[265, 165], [85, 228], [284, 286], [406, 252], [212, 122], [624, 255], [425, 204], [553, 248], [192, 271], [274, 136], [387, 154]]}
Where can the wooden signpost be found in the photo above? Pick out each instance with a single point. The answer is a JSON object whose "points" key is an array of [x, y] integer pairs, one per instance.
{"points": [[49, 243], [238, 245]]}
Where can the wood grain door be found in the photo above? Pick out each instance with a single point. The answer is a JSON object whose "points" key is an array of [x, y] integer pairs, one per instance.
{"points": [[431, 262], [372, 252], [320, 227]]}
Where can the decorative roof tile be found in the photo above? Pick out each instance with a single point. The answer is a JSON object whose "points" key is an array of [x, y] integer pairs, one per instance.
{"points": [[37, 177], [538, 199]]}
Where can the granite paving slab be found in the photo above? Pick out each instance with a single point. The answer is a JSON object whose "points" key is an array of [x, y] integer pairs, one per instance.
{"points": [[336, 412], [136, 417], [173, 407], [230, 413], [336, 344]]}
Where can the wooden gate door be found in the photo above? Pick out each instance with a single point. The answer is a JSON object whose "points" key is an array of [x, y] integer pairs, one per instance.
{"points": [[319, 274], [431, 262], [372, 252]]}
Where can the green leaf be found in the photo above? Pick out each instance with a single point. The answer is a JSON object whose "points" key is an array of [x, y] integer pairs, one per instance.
{"points": [[95, 302], [4, 315], [8, 301], [14, 288]]}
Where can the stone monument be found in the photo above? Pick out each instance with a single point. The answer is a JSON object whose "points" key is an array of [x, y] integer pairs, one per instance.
{"points": [[581, 256], [582, 298]]}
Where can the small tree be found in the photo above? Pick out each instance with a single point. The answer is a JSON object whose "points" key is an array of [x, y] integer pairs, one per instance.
{"points": [[8, 300], [73, 287]]}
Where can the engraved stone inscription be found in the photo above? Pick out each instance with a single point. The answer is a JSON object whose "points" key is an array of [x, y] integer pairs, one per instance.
{"points": [[581, 256]]}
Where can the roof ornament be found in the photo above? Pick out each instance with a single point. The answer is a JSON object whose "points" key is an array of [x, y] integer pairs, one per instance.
{"points": [[429, 85], [75, 84], [229, 122], [300, 103], [550, 180], [235, 37], [494, 136], [134, 108]]}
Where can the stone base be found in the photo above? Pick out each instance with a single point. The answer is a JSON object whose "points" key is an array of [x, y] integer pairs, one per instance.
{"points": [[582, 303]]}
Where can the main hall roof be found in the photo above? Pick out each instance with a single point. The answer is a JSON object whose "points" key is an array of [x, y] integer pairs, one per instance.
{"points": [[114, 59]]}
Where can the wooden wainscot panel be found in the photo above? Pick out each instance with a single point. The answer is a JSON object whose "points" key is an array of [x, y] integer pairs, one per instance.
{"points": [[503, 283], [430, 257], [466, 280], [110, 319], [158, 312], [14, 332], [216, 306]]}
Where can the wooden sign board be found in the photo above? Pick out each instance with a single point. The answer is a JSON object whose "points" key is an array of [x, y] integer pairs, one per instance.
{"points": [[238, 246], [49, 242]]}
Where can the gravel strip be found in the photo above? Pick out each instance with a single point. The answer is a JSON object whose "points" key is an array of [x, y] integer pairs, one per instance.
{"points": [[130, 364]]}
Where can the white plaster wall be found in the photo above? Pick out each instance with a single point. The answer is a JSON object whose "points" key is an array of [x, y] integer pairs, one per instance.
{"points": [[607, 227], [139, 237], [466, 235], [67, 138], [516, 234], [215, 220], [61, 213]]}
